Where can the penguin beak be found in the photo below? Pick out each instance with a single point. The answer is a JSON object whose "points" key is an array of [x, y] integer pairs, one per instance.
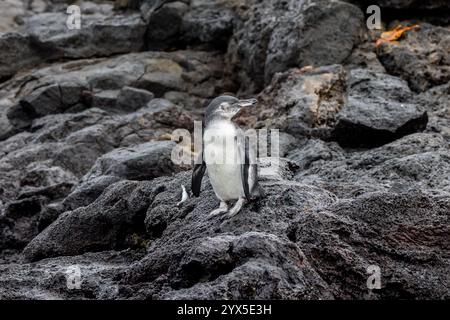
{"points": [[237, 107], [246, 103]]}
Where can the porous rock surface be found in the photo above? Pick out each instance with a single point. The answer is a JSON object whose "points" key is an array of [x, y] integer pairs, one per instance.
{"points": [[87, 184]]}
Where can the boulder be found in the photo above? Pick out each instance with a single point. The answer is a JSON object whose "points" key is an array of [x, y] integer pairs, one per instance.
{"points": [[142, 162], [402, 235], [108, 223], [17, 53], [300, 102], [132, 99], [51, 99], [419, 160], [357, 108], [224, 257], [422, 57], [47, 280], [275, 36], [100, 35], [379, 110]]}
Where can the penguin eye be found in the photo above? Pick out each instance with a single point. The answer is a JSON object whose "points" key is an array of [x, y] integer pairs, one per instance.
{"points": [[223, 106]]}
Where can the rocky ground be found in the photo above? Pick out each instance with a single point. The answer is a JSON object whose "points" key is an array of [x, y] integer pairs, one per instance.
{"points": [[86, 179]]}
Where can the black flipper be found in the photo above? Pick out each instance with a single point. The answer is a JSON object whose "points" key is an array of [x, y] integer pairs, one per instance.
{"points": [[197, 175], [245, 166]]}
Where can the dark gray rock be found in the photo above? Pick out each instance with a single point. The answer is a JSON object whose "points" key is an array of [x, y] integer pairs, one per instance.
{"points": [[300, 102], [39, 169], [208, 22], [275, 36], [100, 35], [193, 256], [112, 84], [16, 54], [19, 222], [87, 192], [84, 142], [229, 266], [108, 223], [419, 160], [51, 99], [406, 4], [127, 99], [422, 57], [379, 110], [132, 99], [437, 101], [164, 24], [48, 279], [142, 162], [105, 100], [315, 150], [358, 108], [177, 24], [403, 234], [44, 36]]}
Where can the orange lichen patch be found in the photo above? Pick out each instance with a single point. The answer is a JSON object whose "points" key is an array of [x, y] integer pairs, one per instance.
{"points": [[394, 34]]}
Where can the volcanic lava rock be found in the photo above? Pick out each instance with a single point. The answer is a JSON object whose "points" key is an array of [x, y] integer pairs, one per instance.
{"points": [[142, 162], [87, 186], [52, 99], [278, 35], [132, 99], [422, 57], [107, 223], [45, 37], [19, 222], [223, 257], [403, 234], [87, 192], [359, 108], [420, 160], [165, 24], [437, 101], [406, 4], [379, 110], [63, 87], [100, 35], [47, 279], [300, 102], [16, 54], [175, 24], [208, 22]]}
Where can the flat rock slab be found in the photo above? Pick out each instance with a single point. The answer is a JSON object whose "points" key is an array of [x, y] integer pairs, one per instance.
{"points": [[78, 277], [45, 37], [418, 161], [379, 110]]}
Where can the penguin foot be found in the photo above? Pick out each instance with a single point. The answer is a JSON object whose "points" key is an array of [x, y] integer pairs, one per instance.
{"points": [[221, 209], [237, 207]]}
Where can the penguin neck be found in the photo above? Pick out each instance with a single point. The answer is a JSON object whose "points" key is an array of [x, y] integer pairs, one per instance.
{"points": [[221, 126], [217, 119]]}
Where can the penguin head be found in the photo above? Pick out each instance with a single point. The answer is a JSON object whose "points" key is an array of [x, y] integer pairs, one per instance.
{"points": [[227, 107]]}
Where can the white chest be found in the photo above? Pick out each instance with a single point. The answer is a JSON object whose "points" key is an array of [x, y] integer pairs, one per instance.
{"points": [[220, 144], [222, 158]]}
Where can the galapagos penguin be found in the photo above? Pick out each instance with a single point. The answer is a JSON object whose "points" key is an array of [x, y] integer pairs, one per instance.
{"points": [[227, 155]]}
